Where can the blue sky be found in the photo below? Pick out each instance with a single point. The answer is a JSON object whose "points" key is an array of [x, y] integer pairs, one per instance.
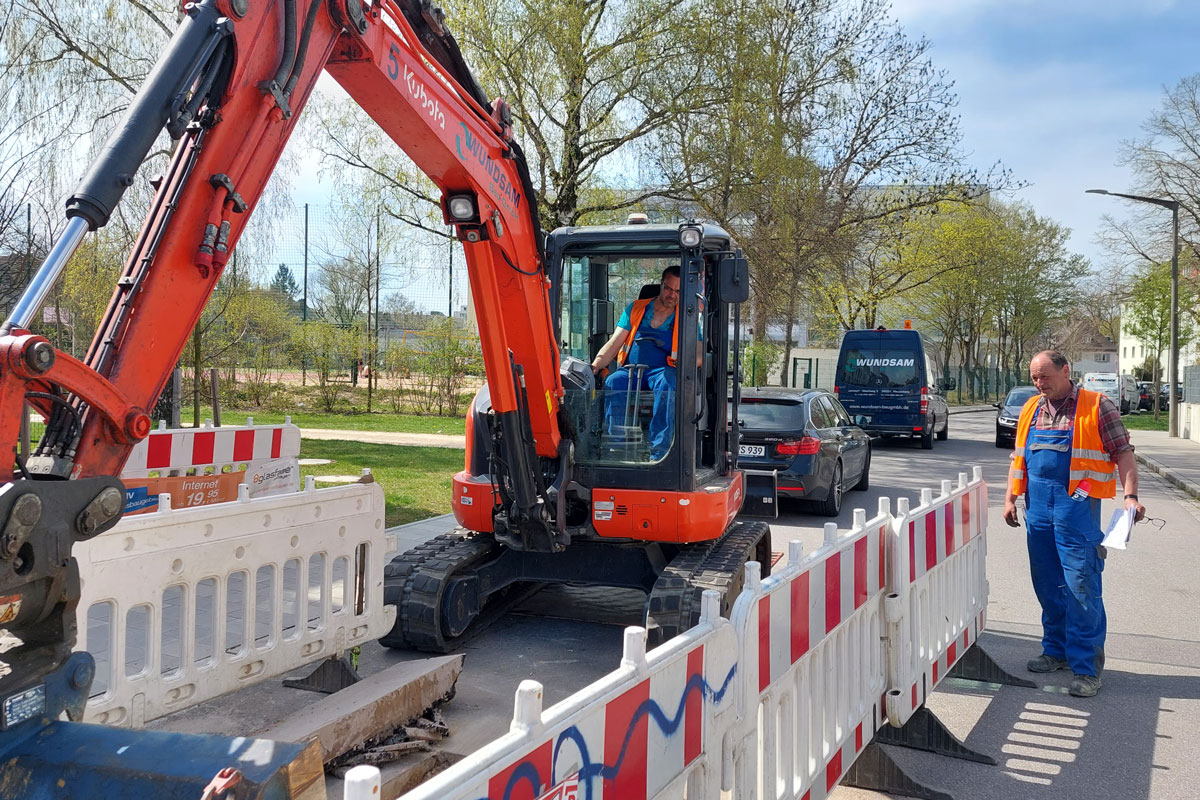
{"points": [[1052, 89]]}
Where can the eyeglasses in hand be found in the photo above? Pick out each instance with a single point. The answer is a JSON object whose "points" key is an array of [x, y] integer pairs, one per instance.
{"points": [[1157, 523]]}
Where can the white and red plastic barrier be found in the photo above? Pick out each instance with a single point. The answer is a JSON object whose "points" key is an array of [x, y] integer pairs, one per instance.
{"points": [[779, 701], [937, 587], [178, 451], [203, 466]]}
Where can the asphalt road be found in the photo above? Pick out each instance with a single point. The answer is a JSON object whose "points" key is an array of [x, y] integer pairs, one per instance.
{"points": [[1134, 740]]}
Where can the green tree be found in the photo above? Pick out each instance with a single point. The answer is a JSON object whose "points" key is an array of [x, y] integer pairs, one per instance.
{"points": [[284, 284], [1147, 315]]}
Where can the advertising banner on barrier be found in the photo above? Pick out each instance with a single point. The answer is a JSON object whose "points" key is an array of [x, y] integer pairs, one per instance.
{"points": [[187, 491]]}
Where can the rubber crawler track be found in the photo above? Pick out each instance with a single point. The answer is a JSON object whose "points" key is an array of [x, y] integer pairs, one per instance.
{"points": [[674, 604]]}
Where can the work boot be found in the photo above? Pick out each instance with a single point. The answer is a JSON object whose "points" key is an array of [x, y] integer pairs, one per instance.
{"points": [[1084, 686], [1045, 663]]}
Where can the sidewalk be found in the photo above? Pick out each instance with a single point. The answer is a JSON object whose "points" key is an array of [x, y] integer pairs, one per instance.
{"points": [[1176, 460], [386, 437]]}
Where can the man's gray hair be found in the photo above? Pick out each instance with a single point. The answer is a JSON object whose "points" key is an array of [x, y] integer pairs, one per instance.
{"points": [[1056, 358]]}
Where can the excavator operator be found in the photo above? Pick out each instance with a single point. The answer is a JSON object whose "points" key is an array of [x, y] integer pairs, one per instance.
{"points": [[647, 335]]}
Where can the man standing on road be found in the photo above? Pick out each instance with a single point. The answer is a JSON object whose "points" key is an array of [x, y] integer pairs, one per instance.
{"points": [[1070, 443]]}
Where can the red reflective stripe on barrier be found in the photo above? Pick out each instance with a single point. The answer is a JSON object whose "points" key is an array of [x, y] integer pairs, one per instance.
{"points": [[243, 445], [833, 591], [693, 721], [949, 528], [630, 779], [966, 639], [935, 672], [534, 768], [858, 738], [860, 572], [807, 795], [966, 517], [914, 697], [912, 550], [158, 451], [951, 653], [276, 442], [764, 642], [931, 558], [800, 637], [202, 447], [833, 772], [882, 545]]}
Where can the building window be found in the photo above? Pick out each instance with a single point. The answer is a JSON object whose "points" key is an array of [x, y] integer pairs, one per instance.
{"points": [[1102, 358], [1124, 352]]}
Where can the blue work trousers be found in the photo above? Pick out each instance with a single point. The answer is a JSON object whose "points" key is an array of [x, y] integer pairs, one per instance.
{"points": [[660, 381], [1064, 555]]}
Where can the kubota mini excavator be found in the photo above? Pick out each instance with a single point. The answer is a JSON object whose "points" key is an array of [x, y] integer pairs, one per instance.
{"points": [[554, 490]]}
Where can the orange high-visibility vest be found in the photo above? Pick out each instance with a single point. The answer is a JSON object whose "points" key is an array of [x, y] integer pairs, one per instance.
{"points": [[635, 321], [1088, 458]]}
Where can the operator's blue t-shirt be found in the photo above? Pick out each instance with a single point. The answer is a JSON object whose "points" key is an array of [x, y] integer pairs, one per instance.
{"points": [[651, 345]]}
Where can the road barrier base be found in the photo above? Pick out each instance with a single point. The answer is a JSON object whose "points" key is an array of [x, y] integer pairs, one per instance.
{"points": [[875, 771], [924, 731], [331, 675], [977, 665]]}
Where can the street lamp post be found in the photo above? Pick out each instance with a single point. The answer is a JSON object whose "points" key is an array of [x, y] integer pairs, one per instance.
{"points": [[1173, 360]]}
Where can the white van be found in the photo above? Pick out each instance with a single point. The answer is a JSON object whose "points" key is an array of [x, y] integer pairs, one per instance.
{"points": [[1129, 394], [1108, 383]]}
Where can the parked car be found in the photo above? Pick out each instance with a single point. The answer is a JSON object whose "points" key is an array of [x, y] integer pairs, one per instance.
{"points": [[1008, 411], [1106, 383], [1129, 394], [1145, 396], [888, 384], [806, 436]]}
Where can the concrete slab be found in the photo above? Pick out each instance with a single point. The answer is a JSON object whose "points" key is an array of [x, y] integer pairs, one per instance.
{"points": [[370, 709]]}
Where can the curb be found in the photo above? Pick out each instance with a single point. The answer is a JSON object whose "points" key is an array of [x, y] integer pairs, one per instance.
{"points": [[970, 409], [1169, 475]]}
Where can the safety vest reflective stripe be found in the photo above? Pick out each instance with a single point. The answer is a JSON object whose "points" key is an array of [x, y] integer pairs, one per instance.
{"points": [[1088, 458], [635, 320]]}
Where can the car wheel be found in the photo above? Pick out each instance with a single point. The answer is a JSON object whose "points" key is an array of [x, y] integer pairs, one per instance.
{"points": [[864, 480], [1000, 440], [927, 438], [832, 505], [944, 433]]}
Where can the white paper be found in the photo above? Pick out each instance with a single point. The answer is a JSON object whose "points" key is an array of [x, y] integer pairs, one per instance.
{"points": [[1119, 528]]}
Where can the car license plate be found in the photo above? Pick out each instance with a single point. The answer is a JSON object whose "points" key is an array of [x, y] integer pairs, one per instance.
{"points": [[752, 450]]}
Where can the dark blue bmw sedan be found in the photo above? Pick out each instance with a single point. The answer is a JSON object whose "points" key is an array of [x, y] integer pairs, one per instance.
{"points": [[808, 439]]}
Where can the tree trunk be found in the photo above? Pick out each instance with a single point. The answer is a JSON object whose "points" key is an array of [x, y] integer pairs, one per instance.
{"points": [[196, 377]]}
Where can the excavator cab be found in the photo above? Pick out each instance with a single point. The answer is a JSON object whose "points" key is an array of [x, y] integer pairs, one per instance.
{"points": [[646, 423]]}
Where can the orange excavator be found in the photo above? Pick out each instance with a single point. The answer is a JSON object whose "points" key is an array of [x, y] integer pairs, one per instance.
{"points": [[560, 484]]}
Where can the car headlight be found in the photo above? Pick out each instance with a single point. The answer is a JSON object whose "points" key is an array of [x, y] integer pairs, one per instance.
{"points": [[1007, 420]]}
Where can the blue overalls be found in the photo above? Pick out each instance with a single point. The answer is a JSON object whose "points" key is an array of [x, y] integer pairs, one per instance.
{"points": [[651, 346], [1064, 560]]}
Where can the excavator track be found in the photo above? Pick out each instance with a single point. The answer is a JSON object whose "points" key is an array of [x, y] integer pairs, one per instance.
{"points": [[674, 603], [416, 581]]}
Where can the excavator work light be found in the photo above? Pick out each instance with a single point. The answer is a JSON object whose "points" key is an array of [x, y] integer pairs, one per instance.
{"points": [[689, 237], [462, 207]]}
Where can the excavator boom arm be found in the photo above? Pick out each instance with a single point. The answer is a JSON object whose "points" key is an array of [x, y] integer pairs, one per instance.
{"points": [[231, 86]]}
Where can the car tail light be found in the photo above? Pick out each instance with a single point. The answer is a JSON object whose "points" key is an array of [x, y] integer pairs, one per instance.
{"points": [[805, 447], [924, 400], [835, 390]]}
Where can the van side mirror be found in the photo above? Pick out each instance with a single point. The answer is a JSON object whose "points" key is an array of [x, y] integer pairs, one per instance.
{"points": [[733, 278]]}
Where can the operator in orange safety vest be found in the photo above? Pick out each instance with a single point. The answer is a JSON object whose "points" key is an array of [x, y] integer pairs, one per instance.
{"points": [[646, 335], [1070, 444]]}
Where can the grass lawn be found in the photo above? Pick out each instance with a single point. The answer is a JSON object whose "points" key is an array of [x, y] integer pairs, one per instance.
{"points": [[1145, 421], [415, 480], [351, 421]]}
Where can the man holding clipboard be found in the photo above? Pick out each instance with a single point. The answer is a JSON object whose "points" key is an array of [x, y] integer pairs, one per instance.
{"points": [[1070, 444]]}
